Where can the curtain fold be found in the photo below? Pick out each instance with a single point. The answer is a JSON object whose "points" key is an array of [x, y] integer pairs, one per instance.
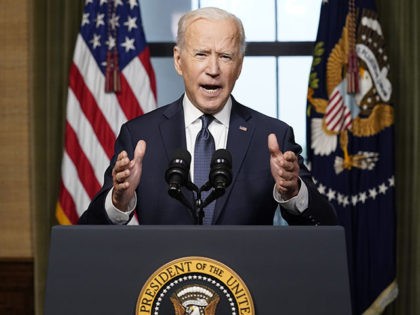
{"points": [[401, 28], [55, 25]]}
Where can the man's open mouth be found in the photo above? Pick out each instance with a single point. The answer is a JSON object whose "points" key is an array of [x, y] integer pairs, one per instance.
{"points": [[210, 88]]}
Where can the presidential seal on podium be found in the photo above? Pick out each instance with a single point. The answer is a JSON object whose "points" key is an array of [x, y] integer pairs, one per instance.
{"points": [[194, 286]]}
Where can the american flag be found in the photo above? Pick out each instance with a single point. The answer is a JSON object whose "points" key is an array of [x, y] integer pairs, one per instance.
{"points": [[111, 80]]}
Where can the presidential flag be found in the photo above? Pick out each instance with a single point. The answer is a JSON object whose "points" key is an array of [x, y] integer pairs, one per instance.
{"points": [[111, 80], [350, 126]]}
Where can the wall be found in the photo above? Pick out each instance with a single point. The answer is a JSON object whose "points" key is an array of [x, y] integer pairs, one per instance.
{"points": [[15, 218], [16, 254]]}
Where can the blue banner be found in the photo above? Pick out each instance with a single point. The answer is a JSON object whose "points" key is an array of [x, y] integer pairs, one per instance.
{"points": [[350, 137]]}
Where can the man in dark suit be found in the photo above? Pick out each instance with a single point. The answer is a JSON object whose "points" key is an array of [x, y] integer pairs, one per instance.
{"points": [[267, 169]]}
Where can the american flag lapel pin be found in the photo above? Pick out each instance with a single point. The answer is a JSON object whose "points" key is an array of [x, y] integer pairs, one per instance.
{"points": [[243, 128]]}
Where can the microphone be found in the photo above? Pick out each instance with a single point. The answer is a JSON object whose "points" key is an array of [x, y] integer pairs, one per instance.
{"points": [[221, 169], [179, 167], [177, 176], [220, 175]]}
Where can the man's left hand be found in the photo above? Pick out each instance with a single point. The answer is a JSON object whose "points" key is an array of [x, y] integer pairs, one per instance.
{"points": [[284, 169]]}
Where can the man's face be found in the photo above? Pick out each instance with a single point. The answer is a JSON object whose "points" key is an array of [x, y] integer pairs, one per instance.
{"points": [[210, 63]]}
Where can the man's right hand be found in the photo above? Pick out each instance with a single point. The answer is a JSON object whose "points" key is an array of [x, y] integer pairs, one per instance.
{"points": [[126, 176]]}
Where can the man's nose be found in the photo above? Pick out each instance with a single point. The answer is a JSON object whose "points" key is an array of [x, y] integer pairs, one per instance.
{"points": [[213, 67]]}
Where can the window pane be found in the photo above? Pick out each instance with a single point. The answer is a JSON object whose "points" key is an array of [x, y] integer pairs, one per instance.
{"points": [[257, 85], [298, 19], [293, 88], [258, 17], [169, 84], [160, 18]]}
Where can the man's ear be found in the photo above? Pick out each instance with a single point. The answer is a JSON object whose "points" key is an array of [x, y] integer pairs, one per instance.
{"points": [[177, 60], [240, 68]]}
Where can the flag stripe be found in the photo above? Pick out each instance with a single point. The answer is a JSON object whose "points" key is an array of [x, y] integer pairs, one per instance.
{"points": [[73, 185], [66, 206], [338, 115], [147, 64], [100, 125], [128, 101], [334, 114], [347, 120], [335, 106], [338, 121], [85, 169], [86, 137], [138, 78]]}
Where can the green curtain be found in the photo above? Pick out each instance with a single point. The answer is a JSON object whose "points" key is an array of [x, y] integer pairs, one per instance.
{"points": [[53, 32], [54, 29], [400, 25]]}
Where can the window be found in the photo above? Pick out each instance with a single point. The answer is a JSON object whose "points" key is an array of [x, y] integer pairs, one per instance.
{"points": [[280, 36]]}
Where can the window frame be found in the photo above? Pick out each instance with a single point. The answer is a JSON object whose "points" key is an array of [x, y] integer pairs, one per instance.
{"points": [[253, 49]]}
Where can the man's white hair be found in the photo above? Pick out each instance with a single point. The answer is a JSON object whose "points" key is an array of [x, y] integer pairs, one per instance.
{"points": [[212, 14]]}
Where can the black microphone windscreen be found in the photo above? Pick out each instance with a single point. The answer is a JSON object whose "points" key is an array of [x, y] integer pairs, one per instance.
{"points": [[222, 155], [221, 169], [182, 154], [178, 169], [177, 176]]}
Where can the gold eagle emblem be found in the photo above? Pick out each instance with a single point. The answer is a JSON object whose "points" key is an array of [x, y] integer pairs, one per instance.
{"points": [[363, 114], [195, 300]]}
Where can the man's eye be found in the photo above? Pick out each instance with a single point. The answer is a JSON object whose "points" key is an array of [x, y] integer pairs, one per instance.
{"points": [[226, 57]]}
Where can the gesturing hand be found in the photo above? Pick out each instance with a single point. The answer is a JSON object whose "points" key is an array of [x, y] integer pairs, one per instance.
{"points": [[284, 169], [126, 176]]}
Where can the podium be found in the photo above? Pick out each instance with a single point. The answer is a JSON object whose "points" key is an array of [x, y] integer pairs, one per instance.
{"points": [[287, 270]]}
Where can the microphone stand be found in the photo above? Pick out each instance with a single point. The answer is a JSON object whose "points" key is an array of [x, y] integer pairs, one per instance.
{"points": [[220, 177], [200, 204], [197, 207], [176, 193]]}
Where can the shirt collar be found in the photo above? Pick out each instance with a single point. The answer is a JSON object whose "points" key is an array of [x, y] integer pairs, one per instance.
{"points": [[192, 113]]}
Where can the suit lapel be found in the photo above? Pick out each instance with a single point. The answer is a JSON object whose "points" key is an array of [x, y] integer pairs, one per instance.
{"points": [[172, 133], [172, 129], [241, 130]]}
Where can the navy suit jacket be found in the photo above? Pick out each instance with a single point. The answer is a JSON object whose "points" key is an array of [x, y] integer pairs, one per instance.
{"points": [[248, 199]]}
